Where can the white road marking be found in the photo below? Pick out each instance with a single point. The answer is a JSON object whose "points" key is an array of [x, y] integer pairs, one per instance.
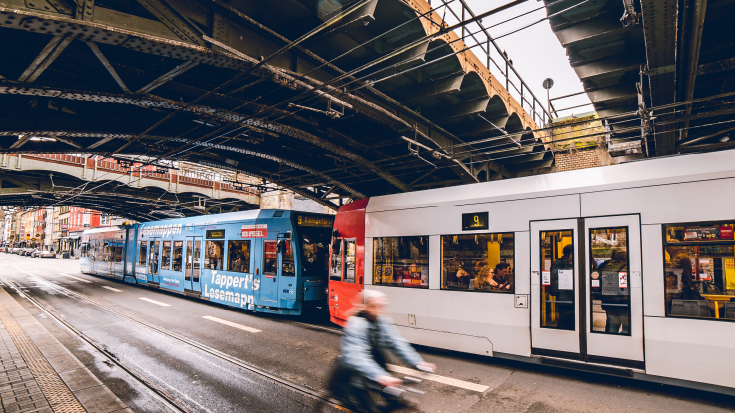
{"points": [[76, 278], [112, 289], [439, 379], [231, 324], [155, 302]]}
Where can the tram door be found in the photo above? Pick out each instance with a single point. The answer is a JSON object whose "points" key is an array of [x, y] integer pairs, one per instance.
{"points": [[193, 263], [586, 298], [118, 259], [154, 247], [269, 276], [343, 279]]}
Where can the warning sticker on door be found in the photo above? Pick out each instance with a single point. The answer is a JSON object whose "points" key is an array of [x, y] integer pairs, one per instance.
{"points": [[545, 277], [623, 279]]}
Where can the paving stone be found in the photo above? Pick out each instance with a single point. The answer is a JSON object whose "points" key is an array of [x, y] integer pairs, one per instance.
{"points": [[79, 379], [99, 400]]}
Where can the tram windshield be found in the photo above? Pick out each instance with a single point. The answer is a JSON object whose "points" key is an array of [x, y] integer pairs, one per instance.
{"points": [[315, 255]]}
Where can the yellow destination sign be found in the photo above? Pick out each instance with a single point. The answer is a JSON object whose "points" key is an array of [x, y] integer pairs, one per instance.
{"points": [[314, 221]]}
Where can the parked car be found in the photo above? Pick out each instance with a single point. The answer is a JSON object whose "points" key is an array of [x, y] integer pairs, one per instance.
{"points": [[36, 253], [15, 250], [46, 254], [28, 251]]}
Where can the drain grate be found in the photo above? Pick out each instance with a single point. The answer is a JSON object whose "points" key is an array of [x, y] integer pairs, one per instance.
{"points": [[56, 391]]}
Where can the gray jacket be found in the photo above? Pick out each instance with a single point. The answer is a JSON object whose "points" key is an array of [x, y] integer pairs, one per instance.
{"points": [[355, 346]]}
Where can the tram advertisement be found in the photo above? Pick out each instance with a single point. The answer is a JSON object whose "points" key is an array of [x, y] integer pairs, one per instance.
{"points": [[231, 289], [254, 231]]}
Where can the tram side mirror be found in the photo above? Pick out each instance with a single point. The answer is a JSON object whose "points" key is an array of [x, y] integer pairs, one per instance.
{"points": [[281, 247], [359, 279], [336, 243]]}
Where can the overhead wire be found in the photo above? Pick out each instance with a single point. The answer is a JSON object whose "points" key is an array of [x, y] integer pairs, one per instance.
{"points": [[338, 16]]}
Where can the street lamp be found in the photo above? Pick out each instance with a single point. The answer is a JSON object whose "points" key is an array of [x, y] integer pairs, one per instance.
{"points": [[548, 84]]}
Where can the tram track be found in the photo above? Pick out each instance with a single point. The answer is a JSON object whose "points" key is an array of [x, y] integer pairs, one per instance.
{"points": [[316, 394]]}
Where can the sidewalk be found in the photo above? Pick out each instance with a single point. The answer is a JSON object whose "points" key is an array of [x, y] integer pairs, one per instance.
{"points": [[38, 374]]}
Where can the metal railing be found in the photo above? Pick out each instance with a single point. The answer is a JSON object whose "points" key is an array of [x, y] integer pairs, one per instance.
{"points": [[493, 54]]}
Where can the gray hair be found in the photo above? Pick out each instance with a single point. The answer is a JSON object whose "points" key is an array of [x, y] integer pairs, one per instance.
{"points": [[370, 295]]}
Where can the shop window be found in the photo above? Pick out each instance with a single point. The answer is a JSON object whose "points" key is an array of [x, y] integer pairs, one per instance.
{"points": [[239, 256], [699, 270], [166, 256], [478, 262], [215, 252], [178, 254], [401, 261]]}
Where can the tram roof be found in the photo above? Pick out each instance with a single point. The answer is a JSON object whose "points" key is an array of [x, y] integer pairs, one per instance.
{"points": [[212, 219], [98, 230], [658, 171]]}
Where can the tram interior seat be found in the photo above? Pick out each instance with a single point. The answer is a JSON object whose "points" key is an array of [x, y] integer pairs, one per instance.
{"points": [[729, 310], [694, 308]]}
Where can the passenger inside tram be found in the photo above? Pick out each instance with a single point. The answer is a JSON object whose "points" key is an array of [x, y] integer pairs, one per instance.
{"points": [[401, 261], [564, 296], [699, 270], [478, 262], [615, 306]]}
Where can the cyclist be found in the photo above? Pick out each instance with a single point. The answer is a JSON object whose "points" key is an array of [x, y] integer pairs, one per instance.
{"points": [[362, 365]]}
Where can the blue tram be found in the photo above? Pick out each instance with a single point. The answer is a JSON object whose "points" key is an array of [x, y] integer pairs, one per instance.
{"points": [[273, 261]]}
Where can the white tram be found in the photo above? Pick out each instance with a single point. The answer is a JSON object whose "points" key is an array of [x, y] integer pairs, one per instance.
{"points": [[626, 269]]}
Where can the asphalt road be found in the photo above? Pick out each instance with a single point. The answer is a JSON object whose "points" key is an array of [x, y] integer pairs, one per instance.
{"points": [[133, 323]]}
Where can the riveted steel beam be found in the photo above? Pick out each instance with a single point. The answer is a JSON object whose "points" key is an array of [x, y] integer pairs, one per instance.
{"points": [[185, 141], [53, 49], [176, 22], [167, 76], [97, 52], [690, 45]]}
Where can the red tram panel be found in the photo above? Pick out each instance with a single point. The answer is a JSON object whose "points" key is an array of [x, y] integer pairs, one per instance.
{"points": [[347, 260]]}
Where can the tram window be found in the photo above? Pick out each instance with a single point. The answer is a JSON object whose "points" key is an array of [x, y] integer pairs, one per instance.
{"points": [[105, 252], [314, 254], [143, 253], [557, 280], [287, 265], [118, 253], [478, 262], [166, 256], [350, 260], [178, 253], [699, 270], [213, 257], [609, 289], [239, 256], [153, 261], [197, 262], [270, 263], [401, 261], [335, 272]]}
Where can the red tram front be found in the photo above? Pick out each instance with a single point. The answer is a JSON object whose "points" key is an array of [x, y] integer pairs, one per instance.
{"points": [[347, 260]]}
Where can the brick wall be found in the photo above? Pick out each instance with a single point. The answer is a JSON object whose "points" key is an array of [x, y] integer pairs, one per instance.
{"points": [[579, 143], [581, 158]]}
